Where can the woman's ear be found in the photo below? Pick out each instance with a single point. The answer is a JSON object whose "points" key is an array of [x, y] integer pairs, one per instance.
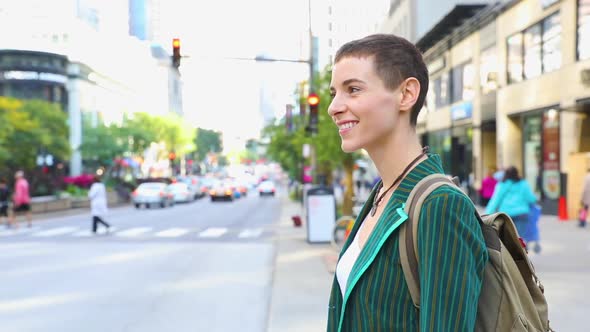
{"points": [[410, 90]]}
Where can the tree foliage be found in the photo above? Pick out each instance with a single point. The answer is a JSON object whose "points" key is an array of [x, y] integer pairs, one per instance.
{"points": [[207, 141], [286, 147], [26, 127]]}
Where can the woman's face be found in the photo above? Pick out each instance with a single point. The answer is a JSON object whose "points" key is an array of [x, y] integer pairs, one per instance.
{"points": [[365, 111]]}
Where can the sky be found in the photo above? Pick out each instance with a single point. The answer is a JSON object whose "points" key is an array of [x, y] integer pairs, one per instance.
{"points": [[222, 93]]}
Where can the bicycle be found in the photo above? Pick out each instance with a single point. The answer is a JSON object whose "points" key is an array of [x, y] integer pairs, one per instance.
{"points": [[341, 231], [344, 225]]}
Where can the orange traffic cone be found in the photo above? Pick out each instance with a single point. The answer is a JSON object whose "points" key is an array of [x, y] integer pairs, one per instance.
{"points": [[562, 209]]}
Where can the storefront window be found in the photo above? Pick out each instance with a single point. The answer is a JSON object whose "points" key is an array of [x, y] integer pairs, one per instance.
{"points": [[532, 51], [551, 176], [514, 58], [441, 91], [457, 86], [463, 82], [440, 143], [551, 43], [489, 70], [583, 29], [532, 153]]}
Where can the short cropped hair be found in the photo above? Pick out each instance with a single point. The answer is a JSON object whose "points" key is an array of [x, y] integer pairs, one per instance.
{"points": [[395, 58]]}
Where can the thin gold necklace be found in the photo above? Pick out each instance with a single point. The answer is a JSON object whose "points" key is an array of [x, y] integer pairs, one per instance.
{"points": [[398, 179]]}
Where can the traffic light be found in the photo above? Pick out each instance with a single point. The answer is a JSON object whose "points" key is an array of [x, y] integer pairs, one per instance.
{"points": [[176, 52], [172, 156], [313, 100]]}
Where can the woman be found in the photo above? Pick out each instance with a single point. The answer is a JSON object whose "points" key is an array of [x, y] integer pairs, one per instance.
{"points": [[378, 86], [98, 204], [514, 197], [488, 184]]}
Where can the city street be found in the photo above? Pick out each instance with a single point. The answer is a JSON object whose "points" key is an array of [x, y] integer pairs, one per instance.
{"points": [[200, 266]]}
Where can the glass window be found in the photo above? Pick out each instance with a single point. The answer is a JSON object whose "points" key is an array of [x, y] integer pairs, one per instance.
{"points": [[583, 29], [551, 43], [489, 70], [441, 91], [532, 51], [514, 58], [468, 81], [457, 85]]}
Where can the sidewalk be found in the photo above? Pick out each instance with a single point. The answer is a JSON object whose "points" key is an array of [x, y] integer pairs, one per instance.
{"points": [[302, 277], [303, 274]]}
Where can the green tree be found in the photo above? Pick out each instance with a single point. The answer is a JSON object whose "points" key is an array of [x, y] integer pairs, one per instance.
{"points": [[286, 148], [101, 143], [207, 141], [29, 126]]}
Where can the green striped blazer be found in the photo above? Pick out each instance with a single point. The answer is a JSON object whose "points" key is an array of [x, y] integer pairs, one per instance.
{"points": [[452, 256]]}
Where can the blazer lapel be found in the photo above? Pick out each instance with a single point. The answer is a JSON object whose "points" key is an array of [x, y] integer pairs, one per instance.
{"points": [[391, 218]]}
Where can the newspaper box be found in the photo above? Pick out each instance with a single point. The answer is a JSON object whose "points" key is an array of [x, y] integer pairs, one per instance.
{"points": [[321, 214]]}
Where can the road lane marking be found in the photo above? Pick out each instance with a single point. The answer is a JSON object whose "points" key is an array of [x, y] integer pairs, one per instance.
{"points": [[213, 232], [88, 232], [172, 232], [20, 231], [55, 231], [132, 232], [250, 233]]}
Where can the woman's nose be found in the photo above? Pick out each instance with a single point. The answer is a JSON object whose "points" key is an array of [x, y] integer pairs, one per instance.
{"points": [[335, 107]]}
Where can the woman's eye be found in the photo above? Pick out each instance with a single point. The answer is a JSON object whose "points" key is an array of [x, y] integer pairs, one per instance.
{"points": [[332, 94], [353, 89]]}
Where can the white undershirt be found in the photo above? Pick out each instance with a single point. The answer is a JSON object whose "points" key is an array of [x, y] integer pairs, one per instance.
{"points": [[347, 261]]}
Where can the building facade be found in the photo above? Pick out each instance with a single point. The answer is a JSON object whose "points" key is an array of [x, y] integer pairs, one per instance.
{"points": [[412, 19], [494, 100], [59, 56]]}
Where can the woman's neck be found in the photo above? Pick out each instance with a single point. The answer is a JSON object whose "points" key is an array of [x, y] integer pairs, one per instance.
{"points": [[392, 157]]}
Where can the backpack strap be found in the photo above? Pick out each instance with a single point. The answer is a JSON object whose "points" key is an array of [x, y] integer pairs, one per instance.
{"points": [[408, 236]]}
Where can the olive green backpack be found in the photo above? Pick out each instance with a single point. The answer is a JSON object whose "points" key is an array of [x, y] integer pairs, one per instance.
{"points": [[511, 296]]}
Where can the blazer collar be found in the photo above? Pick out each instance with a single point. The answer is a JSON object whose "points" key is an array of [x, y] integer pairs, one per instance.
{"points": [[392, 216]]}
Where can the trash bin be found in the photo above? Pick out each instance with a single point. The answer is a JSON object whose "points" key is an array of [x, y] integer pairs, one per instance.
{"points": [[320, 214]]}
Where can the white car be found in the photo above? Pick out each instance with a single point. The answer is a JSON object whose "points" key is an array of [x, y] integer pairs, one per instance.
{"points": [[267, 187], [181, 192]]}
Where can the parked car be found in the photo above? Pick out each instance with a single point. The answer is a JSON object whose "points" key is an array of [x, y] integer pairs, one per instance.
{"points": [[152, 193], [221, 191], [267, 187], [181, 192]]}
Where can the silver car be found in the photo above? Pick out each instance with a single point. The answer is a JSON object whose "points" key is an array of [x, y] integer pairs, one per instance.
{"points": [[152, 193], [181, 192]]}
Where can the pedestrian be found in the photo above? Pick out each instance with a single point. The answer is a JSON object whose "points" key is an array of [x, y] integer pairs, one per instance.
{"points": [[515, 197], [98, 204], [488, 184], [379, 84], [21, 199], [585, 200], [4, 200]]}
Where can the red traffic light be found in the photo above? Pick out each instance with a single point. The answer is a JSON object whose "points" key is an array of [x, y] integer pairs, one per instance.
{"points": [[172, 156], [313, 99], [176, 43]]}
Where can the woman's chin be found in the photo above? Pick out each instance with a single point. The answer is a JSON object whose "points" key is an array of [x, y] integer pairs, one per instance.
{"points": [[348, 147]]}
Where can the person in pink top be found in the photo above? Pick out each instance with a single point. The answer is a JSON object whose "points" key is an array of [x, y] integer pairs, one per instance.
{"points": [[21, 198], [488, 184]]}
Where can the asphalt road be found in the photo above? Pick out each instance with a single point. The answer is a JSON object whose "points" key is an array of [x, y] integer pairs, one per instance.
{"points": [[200, 266]]}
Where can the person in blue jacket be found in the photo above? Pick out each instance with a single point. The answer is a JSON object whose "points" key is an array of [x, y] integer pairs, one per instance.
{"points": [[514, 197]]}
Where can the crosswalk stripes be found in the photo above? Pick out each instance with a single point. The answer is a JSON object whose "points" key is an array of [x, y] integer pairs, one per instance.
{"points": [[88, 232], [20, 230], [139, 232], [172, 232], [133, 232], [250, 233], [55, 231], [213, 232]]}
